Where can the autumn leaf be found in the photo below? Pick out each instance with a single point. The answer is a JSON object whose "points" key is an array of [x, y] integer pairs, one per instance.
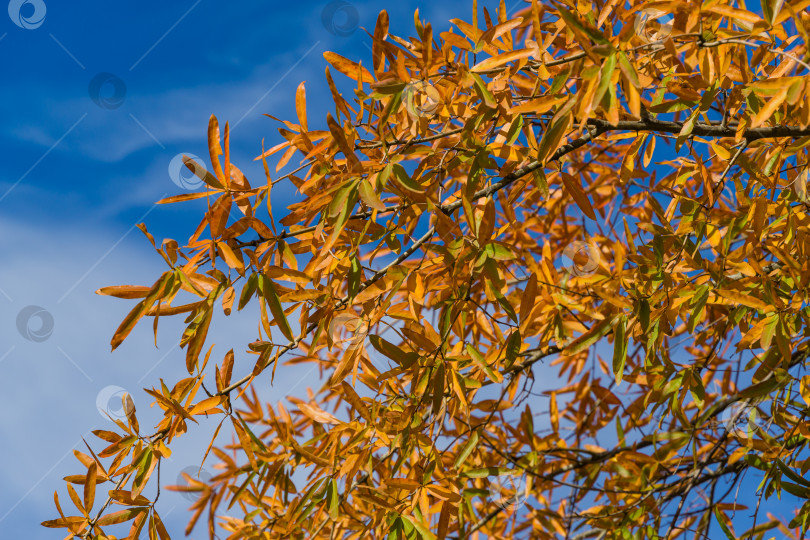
{"points": [[351, 69], [574, 188], [438, 370]]}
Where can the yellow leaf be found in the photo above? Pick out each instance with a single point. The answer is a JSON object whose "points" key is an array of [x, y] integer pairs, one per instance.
{"points": [[206, 405], [287, 274], [554, 412], [501, 59], [590, 337], [403, 483], [229, 256], [770, 107], [317, 414], [538, 106], [121, 516], [734, 13], [737, 297]]}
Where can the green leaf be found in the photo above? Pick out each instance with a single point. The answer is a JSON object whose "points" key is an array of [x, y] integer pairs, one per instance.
{"points": [[686, 130], [722, 522], [341, 198], [760, 389], [483, 92], [332, 499], [699, 303], [392, 351], [790, 474], [514, 130], [620, 348], [387, 88], [122, 516], [499, 252], [391, 107], [767, 10], [354, 278], [479, 359], [487, 471], [143, 465], [406, 181], [572, 20], [369, 196], [672, 106], [605, 77], [555, 132], [644, 314], [195, 336], [560, 80], [467, 450], [540, 181], [797, 490], [270, 295], [247, 291], [628, 69], [593, 335], [512, 348], [423, 531]]}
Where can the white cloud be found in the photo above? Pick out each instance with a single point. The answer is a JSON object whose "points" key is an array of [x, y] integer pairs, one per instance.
{"points": [[47, 396]]}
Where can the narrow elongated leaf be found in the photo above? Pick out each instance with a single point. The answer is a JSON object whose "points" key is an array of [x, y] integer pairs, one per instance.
{"points": [[619, 348], [574, 188], [467, 450], [270, 296]]}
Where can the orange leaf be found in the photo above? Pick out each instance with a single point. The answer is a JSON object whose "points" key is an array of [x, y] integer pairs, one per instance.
{"points": [[230, 256], [215, 147], [317, 414], [573, 187], [501, 59], [121, 516], [353, 70], [207, 405], [90, 486], [538, 106], [301, 106], [125, 291]]}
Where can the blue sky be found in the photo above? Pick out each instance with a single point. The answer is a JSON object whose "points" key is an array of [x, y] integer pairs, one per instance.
{"points": [[79, 173]]}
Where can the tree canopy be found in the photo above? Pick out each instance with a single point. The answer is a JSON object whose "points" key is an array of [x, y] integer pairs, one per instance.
{"points": [[552, 268]]}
